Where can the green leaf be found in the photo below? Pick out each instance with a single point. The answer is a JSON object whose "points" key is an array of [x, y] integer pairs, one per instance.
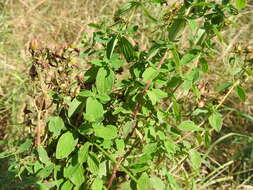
{"points": [[5, 154], [152, 97], [148, 14], [83, 152], [43, 157], [126, 48], [187, 58], [67, 185], [176, 28], [90, 74], [143, 182], [188, 126], [224, 86], [45, 172], [108, 132], [115, 62], [172, 182], [75, 173], [170, 146], [97, 62], [199, 111], [56, 125], [103, 98], [126, 8], [155, 95], [149, 74], [241, 93], [204, 65], [240, 4], [215, 121], [93, 163], [157, 183], [85, 93], [174, 81], [195, 159], [200, 36], [73, 106], [94, 110], [217, 33], [150, 148], [66, 144], [120, 145], [97, 184], [25, 146], [160, 94], [193, 25], [111, 46], [104, 80], [126, 185]]}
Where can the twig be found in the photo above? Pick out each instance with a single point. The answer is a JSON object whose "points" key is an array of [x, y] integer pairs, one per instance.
{"points": [[134, 126]]}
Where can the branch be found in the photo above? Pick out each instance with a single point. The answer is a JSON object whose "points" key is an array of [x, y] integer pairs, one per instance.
{"points": [[134, 126]]}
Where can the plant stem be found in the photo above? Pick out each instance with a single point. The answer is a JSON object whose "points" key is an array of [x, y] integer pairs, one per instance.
{"points": [[134, 126]]}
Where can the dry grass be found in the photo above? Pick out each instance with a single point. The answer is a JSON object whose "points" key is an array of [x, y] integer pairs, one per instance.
{"points": [[63, 22]]}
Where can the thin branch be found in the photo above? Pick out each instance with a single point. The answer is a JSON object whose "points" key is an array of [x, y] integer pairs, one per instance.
{"points": [[134, 126]]}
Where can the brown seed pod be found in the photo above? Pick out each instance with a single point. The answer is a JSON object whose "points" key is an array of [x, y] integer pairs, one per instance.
{"points": [[33, 72]]}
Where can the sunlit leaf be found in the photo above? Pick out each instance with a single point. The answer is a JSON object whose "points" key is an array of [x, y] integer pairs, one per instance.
{"points": [[106, 132], [187, 58], [195, 159], [75, 173], [149, 74], [240, 4], [104, 80], [83, 152], [188, 126], [94, 110], [157, 183], [93, 163], [66, 144], [43, 156], [97, 184], [56, 125]]}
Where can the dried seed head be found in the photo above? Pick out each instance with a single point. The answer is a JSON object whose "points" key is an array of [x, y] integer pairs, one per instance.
{"points": [[33, 72], [34, 45]]}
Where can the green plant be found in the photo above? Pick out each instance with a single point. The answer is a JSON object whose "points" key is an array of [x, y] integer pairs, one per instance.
{"points": [[134, 119]]}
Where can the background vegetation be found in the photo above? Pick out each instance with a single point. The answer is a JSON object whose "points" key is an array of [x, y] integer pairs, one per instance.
{"points": [[50, 27]]}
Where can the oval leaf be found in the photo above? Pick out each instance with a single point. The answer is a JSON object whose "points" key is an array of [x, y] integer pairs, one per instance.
{"points": [[149, 74], [241, 93], [188, 126], [104, 80], [108, 132], [215, 121], [94, 110], [65, 145], [55, 125]]}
